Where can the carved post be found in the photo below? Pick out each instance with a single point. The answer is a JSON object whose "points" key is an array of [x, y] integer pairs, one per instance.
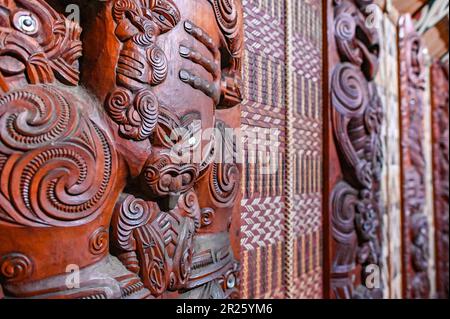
{"points": [[354, 163], [130, 170], [440, 120], [416, 283]]}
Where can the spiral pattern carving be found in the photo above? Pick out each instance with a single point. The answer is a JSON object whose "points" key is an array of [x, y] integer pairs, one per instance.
{"points": [[349, 90], [345, 33], [344, 201], [15, 267], [63, 178], [118, 104], [147, 106], [356, 120], [208, 215], [158, 61], [133, 213], [188, 203], [121, 6], [224, 183], [33, 118], [99, 241]]}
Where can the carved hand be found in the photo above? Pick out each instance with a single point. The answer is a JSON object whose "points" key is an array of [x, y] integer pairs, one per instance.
{"points": [[212, 66]]}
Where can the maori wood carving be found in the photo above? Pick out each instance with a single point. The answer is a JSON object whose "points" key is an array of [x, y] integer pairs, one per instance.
{"points": [[416, 282], [440, 120], [103, 165], [355, 117]]}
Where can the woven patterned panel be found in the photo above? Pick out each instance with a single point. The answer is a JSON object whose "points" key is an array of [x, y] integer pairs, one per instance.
{"points": [[263, 109], [307, 133], [263, 254]]}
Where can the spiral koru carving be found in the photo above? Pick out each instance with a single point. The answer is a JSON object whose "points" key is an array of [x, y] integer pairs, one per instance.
{"points": [[59, 169], [33, 118], [137, 114], [130, 214], [344, 201], [99, 241], [356, 118], [15, 267], [345, 32], [356, 42], [349, 90], [190, 207]]}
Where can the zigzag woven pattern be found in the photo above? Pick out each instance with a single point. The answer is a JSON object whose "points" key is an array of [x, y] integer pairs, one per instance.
{"points": [[262, 221], [307, 140], [265, 255]]}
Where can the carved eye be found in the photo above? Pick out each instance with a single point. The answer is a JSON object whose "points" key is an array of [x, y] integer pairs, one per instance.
{"points": [[231, 281], [166, 15], [186, 179], [166, 180], [26, 22]]}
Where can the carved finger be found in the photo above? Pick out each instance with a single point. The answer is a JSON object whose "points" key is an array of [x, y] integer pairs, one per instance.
{"points": [[197, 58], [203, 37], [210, 89]]}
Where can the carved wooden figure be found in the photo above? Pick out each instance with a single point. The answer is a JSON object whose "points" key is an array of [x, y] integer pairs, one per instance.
{"points": [[354, 152], [415, 246], [103, 167], [440, 120]]}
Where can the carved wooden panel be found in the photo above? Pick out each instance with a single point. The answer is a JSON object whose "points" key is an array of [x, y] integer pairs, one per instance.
{"points": [[415, 241], [106, 165], [440, 120], [354, 163], [428, 154]]}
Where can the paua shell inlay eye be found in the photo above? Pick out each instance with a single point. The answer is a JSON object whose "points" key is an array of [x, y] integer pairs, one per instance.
{"points": [[26, 23]]}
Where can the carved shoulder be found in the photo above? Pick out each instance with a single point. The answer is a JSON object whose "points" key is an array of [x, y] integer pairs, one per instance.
{"points": [[57, 164]]}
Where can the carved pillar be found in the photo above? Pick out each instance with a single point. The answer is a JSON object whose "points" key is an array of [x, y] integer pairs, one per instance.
{"points": [[354, 159], [440, 120], [60, 170], [126, 167], [416, 283]]}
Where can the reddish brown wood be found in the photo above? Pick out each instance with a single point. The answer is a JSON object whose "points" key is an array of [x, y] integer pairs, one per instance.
{"points": [[415, 243], [440, 120], [102, 166], [354, 152]]}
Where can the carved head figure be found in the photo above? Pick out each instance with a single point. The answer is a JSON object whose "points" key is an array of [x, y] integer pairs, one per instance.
{"points": [[37, 44], [141, 64], [415, 63], [170, 170], [357, 43]]}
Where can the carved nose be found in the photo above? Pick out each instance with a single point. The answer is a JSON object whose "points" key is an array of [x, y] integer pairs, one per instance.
{"points": [[176, 184]]}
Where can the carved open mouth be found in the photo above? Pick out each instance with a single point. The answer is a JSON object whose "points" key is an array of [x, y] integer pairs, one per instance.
{"points": [[10, 66]]}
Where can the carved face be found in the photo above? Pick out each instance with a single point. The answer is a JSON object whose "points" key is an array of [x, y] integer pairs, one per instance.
{"points": [[167, 181], [135, 19], [165, 14], [168, 173], [38, 43]]}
